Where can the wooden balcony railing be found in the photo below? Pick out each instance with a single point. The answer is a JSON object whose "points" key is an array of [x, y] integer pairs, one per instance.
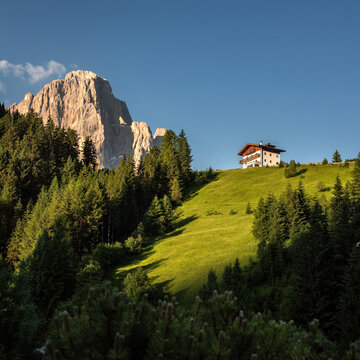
{"points": [[250, 158]]}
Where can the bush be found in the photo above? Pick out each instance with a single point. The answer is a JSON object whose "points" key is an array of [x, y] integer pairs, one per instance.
{"points": [[109, 255], [137, 283], [232, 212], [320, 186], [213, 212], [325, 161], [291, 170], [134, 244], [91, 273]]}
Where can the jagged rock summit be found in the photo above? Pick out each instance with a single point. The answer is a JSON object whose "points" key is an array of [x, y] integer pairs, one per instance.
{"points": [[85, 102]]}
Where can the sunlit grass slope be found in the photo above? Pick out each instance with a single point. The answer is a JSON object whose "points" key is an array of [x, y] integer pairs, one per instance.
{"points": [[207, 236]]}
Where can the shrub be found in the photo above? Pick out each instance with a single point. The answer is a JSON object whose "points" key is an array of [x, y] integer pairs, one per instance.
{"points": [[91, 273], [134, 244], [137, 283], [232, 212], [213, 212], [320, 186], [291, 170], [109, 255]]}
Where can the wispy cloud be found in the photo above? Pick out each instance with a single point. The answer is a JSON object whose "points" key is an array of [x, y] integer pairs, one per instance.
{"points": [[2, 88], [34, 73]]}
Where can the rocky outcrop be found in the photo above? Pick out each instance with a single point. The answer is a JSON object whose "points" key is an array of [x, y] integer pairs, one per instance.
{"points": [[85, 102]]}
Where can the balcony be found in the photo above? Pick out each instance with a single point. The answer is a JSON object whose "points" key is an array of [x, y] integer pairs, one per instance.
{"points": [[250, 158]]}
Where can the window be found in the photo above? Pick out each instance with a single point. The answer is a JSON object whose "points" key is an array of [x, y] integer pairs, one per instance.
{"points": [[277, 156], [277, 162], [264, 153], [270, 161], [270, 154], [265, 160]]}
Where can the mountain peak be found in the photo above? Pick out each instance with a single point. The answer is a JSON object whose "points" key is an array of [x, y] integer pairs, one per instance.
{"points": [[81, 74], [84, 102]]}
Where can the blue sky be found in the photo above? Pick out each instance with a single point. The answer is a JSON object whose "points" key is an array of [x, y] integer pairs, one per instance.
{"points": [[227, 72]]}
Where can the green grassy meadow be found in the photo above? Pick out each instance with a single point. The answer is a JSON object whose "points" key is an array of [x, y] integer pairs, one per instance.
{"points": [[181, 260]]}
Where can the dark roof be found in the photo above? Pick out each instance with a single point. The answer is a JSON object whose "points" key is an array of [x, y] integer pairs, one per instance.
{"points": [[268, 147]]}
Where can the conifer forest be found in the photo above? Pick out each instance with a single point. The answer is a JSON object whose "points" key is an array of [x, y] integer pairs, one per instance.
{"points": [[65, 224]]}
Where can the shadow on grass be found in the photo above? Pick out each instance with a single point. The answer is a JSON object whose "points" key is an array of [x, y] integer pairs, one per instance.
{"points": [[122, 273], [148, 250], [301, 172], [197, 185], [180, 295]]}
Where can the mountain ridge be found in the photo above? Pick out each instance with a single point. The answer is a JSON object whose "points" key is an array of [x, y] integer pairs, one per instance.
{"points": [[84, 101]]}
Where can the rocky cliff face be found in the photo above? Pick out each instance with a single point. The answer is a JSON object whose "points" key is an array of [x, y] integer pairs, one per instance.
{"points": [[85, 102]]}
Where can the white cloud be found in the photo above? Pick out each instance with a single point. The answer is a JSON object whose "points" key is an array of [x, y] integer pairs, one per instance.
{"points": [[2, 88], [34, 73]]}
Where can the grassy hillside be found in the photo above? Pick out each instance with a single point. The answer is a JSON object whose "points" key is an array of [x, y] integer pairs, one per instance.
{"points": [[207, 236]]}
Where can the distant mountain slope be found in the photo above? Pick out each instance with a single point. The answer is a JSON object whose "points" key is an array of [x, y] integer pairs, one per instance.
{"points": [[203, 240], [85, 102]]}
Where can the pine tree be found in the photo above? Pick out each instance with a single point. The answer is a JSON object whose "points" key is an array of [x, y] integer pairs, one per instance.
{"points": [[355, 181], [2, 110], [52, 270], [248, 209], [185, 158], [89, 157], [175, 190], [208, 289], [154, 218], [311, 252], [325, 161], [336, 157], [301, 211], [349, 315], [168, 213]]}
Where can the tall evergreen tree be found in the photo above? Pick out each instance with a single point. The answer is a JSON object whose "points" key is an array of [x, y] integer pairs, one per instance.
{"points": [[2, 110], [89, 157], [349, 314], [154, 218], [52, 270], [312, 268], [355, 181], [185, 158], [336, 157]]}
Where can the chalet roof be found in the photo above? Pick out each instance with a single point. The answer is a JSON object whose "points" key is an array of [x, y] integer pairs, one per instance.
{"points": [[268, 147]]}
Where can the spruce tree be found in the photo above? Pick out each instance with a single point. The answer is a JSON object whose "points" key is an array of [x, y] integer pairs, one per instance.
{"points": [[311, 252], [89, 157], [52, 270], [154, 218], [185, 158], [168, 213], [349, 314], [336, 157], [355, 181], [175, 190], [248, 209], [2, 110]]}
